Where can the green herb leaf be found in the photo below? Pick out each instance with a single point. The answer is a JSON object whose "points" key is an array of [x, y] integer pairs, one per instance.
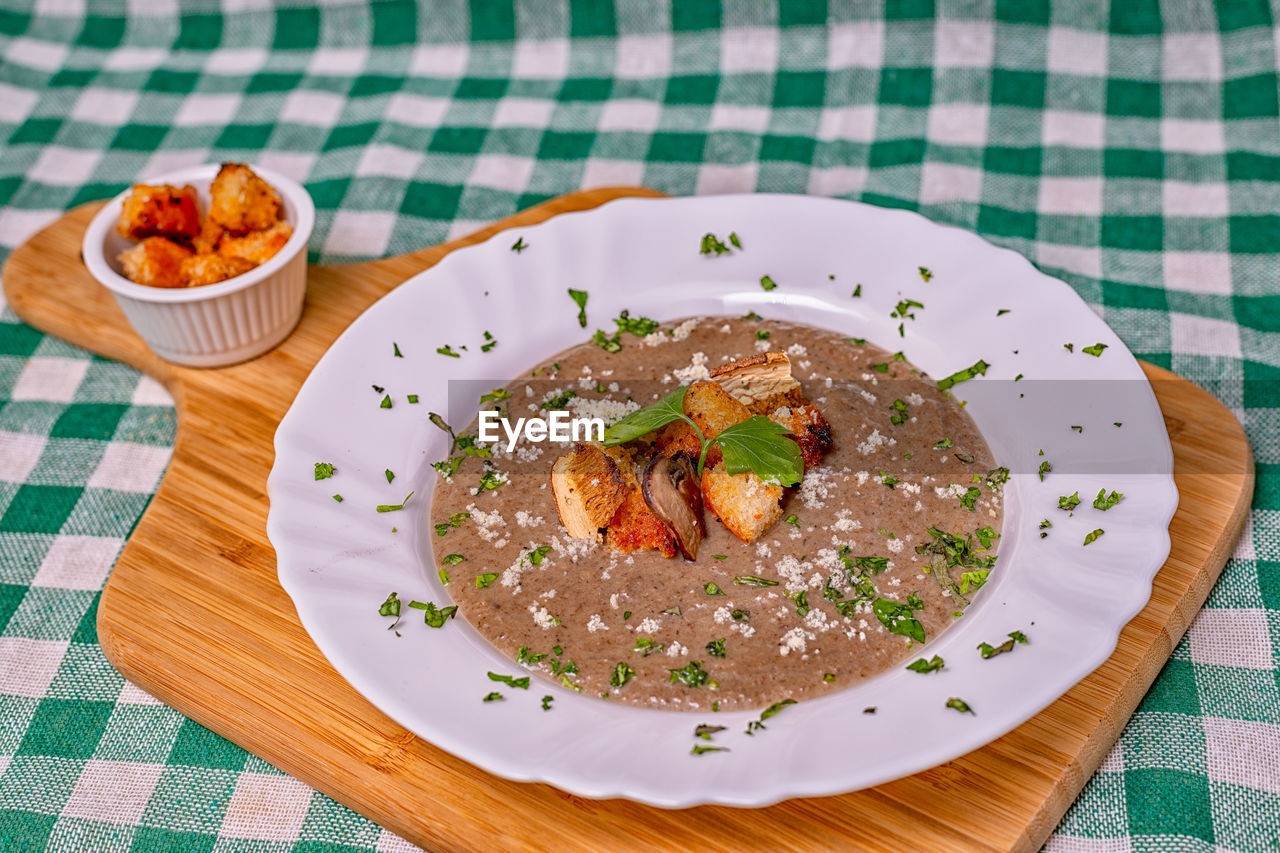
{"points": [[495, 696], [644, 421], [519, 245], [942, 444], [483, 580], [752, 580], [926, 273], [733, 238], [703, 750], [389, 475], [921, 665], [705, 731], [453, 559], [390, 607], [1095, 350], [638, 326], [691, 675], [762, 446], [434, 616], [448, 350], [455, 520], [711, 245], [324, 470], [1069, 502], [897, 617], [978, 368], [621, 674], [394, 507], [412, 398], [857, 292], [338, 498], [647, 647], [958, 704], [1104, 501], [546, 702], [443, 574], [973, 580], [1093, 535], [767, 283], [715, 648], [1045, 468], [711, 588]]}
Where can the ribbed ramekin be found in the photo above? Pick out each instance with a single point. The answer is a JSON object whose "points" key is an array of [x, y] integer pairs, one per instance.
{"points": [[212, 325]]}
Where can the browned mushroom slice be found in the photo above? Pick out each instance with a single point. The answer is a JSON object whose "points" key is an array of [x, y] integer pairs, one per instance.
{"points": [[589, 485], [762, 382], [672, 491]]}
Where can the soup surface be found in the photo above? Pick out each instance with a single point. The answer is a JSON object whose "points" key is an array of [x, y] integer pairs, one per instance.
{"points": [[881, 545]]}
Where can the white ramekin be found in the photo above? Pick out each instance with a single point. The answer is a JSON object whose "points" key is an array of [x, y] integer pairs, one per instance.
{"points": [[212, 325]]}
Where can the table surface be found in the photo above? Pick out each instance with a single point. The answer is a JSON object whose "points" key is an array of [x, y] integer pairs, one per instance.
{"points": [[1135, 155]]}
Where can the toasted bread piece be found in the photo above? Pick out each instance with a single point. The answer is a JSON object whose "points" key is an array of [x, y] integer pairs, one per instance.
{"points": [[589, 485], [159, 211], [211, 269], [206, 242], [635, 528], [762, 382], [809, 428], [712, 408], [241, 201], [156, 262], [746, 504], [676, 437], [257, 246]]}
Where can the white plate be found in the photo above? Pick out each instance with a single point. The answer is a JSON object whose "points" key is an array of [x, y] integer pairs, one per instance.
{"points": [[340, 560]]}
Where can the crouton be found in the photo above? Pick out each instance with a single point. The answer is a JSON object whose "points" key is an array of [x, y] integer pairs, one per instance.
{"points": [[155, 262], [712, 408], [746, 504], [635, 528], [589, 485], [211, 269], [257, 246], [241, 201], [809, 429], [206, 242], [676, 437], [159, 211], [762, 382]]}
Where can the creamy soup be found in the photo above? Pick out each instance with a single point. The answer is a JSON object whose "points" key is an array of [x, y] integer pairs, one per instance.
{"points": [[882, 545]]}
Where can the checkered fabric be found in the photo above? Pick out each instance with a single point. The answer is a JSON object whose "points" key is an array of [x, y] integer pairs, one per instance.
{"points": [[1133, 151]]}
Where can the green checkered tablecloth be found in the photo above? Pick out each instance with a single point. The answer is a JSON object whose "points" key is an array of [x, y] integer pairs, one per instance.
{"points": [[1133, 151]]}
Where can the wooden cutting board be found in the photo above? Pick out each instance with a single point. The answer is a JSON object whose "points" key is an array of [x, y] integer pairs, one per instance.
{"points": [[193, 613]]}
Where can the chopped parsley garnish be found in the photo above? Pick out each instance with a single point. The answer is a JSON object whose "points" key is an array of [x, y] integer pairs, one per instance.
{"points": [[448, 467], [483, 580], [1000, 312], [755, 725], [638, 326], [882, 367], [559, 401], [522, 682], [692, 675], [705, 731], [898, 617], [394, 507], [672, 611], [715, 648], [448, 350], [712, 588], [432, 615], [495, 696], [828, 677], [324, 470], [966, 458], [453, 559], [1104, 501], [519, 245], [989, 651], [1069, 502], [942, 444], [580, 299], [752, 580], [389, 475], [711, 244], [390, 607], [926, 273], [857, 292], [969, 500], [904, 309], [767, 283], [888, 480], [495, 395], [1069, 347], [528, 658], [537, 555], [1118, 423], [386, 402], [647, 647], [395, 350], [733, 238], [412, 398], [621, 674], [996, 478], [985, 535], [1093, 535], [1095, 350], [1045, 468], [800, 597], [606, 343], [978, 368], [1019, 637], [762, 334], [338, 498], [546, 702], [751, 315], [898, 412], [1078, 428], [973, 579], [490, 481], [959, 704], [921, 665], [489, 343], [719, 556], [740, 615], [702, 750], [1045, 524], [857, 342], [793, 520]]}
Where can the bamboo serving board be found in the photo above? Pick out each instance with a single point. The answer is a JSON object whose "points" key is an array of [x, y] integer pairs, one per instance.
{"points": [[193, 613]]}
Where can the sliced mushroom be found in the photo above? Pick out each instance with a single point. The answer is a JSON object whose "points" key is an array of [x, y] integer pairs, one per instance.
{"points": [[588, 485], [763, 379], [672, 492]]}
